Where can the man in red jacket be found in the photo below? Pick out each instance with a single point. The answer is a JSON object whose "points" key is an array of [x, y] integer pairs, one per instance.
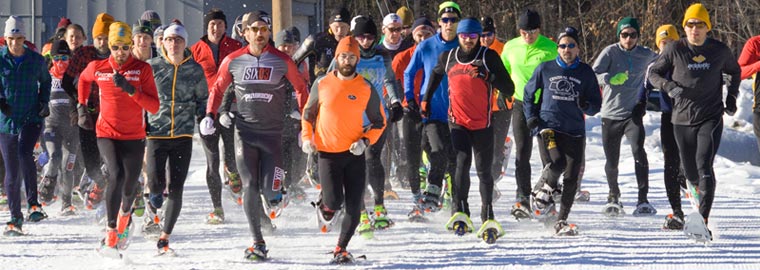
{"points": [[127, 88], [209, 53]]}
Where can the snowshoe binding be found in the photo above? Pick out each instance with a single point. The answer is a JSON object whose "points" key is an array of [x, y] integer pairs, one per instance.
{"points": [[490, 231], [562, 228], [35, 213], [460, 224], [13, 227], [673, 222], [215, 217], [257, 252], [613, 208], [164, 249], [644, 209]]}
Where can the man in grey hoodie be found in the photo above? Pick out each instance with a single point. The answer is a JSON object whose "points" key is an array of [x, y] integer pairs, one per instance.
{"points": [[620, 69]]}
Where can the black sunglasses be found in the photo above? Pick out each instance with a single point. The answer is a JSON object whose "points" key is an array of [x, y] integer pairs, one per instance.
{"points": [[633, 35]]}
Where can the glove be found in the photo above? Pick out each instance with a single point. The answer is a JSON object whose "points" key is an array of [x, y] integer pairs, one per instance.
{"points": [[122, 83], [357, 148], [675, 92], [396, 112], [730, 105], [425, 109], [84, 118], [4, 107], [73, 118], [207, 125], [619, 78], [533, 122], [308, 147], [43, 159], [225, 119], [44, 110], [582, 103], [639, 110]]}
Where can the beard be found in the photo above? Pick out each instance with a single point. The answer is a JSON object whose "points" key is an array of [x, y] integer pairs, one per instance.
{"points": [[347, 70]]}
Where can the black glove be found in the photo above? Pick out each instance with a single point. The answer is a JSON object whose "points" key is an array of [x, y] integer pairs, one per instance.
{"points": [[122, 83], [396, 112], [533, 122], [44, 110], [413, 110], [74, 118], [639, 110], [4, 107], [730, 105], [85, 119], [675, 92], [582, 103]]}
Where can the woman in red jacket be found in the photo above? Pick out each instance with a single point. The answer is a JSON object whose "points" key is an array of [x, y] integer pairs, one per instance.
{"points": [[127, 89]]}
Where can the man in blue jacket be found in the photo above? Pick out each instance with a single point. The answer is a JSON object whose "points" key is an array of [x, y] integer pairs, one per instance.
{"points": [[569, 89]]}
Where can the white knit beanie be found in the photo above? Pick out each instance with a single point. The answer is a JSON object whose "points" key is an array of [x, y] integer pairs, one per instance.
{"points": [[176, 30], [14, 27]]}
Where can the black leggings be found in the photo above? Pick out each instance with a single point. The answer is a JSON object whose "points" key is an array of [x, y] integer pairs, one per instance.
{"points": [[465, 142], [91, 156], [375, 172], [259, 161], [698, 145], [343, 184], [123, 160], [612, 135], [672, 172], [437, 143], [211, 148], [756, 126], [296, 159], [412, 132], [565, 159], [500, 121], [178, 153], [523, 150]]}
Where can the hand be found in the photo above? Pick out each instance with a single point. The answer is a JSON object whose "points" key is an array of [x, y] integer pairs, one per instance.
{"points": [[396, 112], [639, 110], [225, 119], [207, 125], [425, 109], [73, 118], [120, 81], [44, 110], [582, 103], [84, 118], [43, 159], [675, 92], [308, 147], [357, 148], [730, 105], [533, 122], [4, 107], [619, 78]]}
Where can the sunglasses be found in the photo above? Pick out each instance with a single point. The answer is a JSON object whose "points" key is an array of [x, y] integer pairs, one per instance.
{"points": [[468, 35], [633, 35], [255, 29], [123, 48], [365, 37], [699, 25], [566, 46], [394, 29], [487, 34], [62, 57], [446, 20]]}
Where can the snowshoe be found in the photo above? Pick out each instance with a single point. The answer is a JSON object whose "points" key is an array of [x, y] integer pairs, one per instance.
{"points": [[490, 231], [152, 226], [273, 208], [297, 194], [234, 186], [416, 215], [124, 228], [257, 252], [94, 196], [613, 208], [644, 209], [326, 218], [341, 256], [431, 200], [216, 217], [46, 190], [542, 202], [163, 248], [520, 211], [13, 227], [69, 211], [696, 229], [390, 195], [381, 218], [36, 214], [562, 228], [365, 228], [460, 224], [693, 195], [582, 196], [108, 245], [673, 222]]}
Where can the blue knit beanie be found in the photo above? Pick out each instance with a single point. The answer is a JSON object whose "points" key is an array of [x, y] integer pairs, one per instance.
{"points": [[470, 25]]}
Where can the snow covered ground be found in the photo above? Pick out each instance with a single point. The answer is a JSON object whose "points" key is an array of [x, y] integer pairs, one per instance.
{"points": [[627, 242]]}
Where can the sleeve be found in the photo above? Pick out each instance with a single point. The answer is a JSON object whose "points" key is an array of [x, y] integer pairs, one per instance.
{"points": [[532, 97], [332, 66], [227, 100], [302, 93], [216, 92], [398, 71], [306, 49], [732, 68], [661, 67], [45, 83], [147, 95], [505, 59], [436, 77], [749, 59], [593, 95], [411, 70], [310, 111], [646, 87], [86, 79], [390, 82], [376, 115], [602, 66], [500, 75], [201, 92]]}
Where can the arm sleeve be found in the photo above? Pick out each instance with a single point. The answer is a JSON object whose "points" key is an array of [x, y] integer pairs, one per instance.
{"points": [[390, 82], [602, 65], [306, 49], [147, 95], [201, 92], [505, 60], [749, 59], [531, 100], [216, 92], [646, 87], [310, 111], [302, 93], [732, 68], [500, 75], [593, 95], [411, 70], [661, 67], [45, 83], [85, 80], [227, 99], [399, 72], [436, 77], [376, 115]]}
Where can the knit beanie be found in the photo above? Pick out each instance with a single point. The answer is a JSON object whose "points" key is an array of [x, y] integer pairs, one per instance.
{"points": [[152, 17], [487, 23], [63, 23], [422, 24], [626, 23], [101, 25], [665, 31], [284, 37], [362, 25], [407, 18], [449, 7], [569, 32], [296, 33], [214, 14], [142, 27], [529, 20], [119, 32], [340, 14], [347, 44], [159, 32], [470, 25], [251, 17], [60, 47], [176, 29], [14, 27], [699, 12]]}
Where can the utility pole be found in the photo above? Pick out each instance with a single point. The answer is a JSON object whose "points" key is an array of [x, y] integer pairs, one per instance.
{"points": [[282, 15]]}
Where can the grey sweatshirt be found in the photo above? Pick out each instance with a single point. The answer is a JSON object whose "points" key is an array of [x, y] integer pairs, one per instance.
{"points": [[618, 100]]}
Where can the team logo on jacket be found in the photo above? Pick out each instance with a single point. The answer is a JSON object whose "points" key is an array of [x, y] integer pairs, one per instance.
{"points": [[257, 74], [351, 97], [563, 88], [700, 63]]}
